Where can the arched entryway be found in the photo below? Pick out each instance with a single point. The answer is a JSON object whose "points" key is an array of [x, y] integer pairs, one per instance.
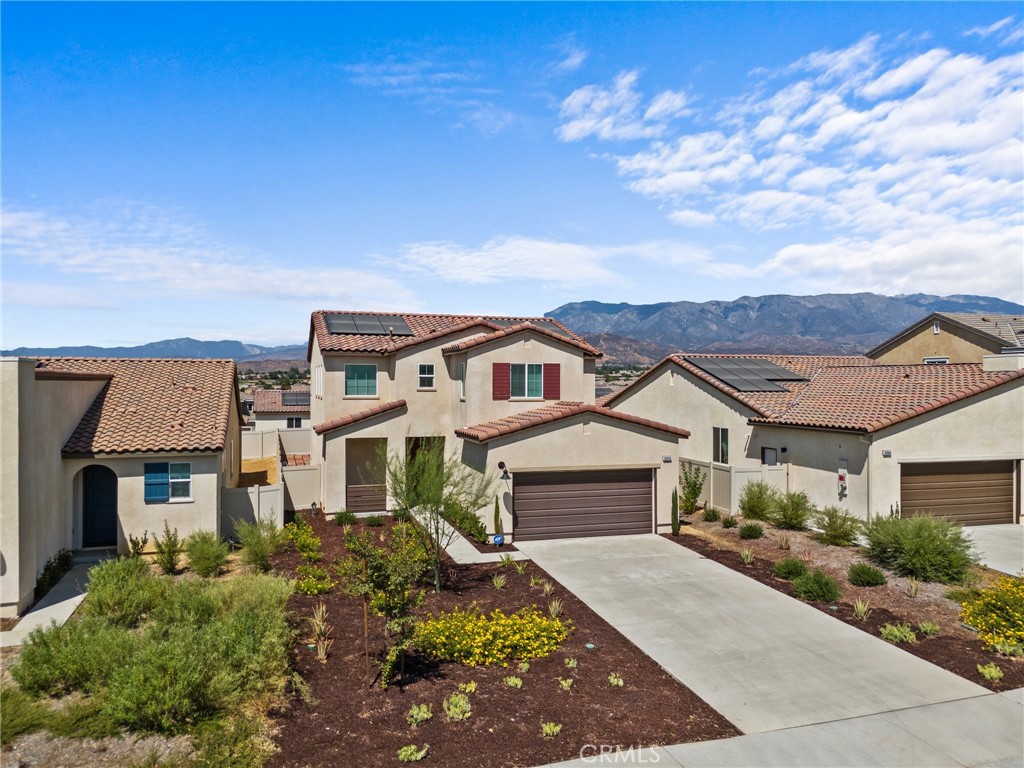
{"points": [[99, 507]]}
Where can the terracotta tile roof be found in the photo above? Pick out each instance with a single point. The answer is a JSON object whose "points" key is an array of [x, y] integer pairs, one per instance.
{"points": [[150, 405], [869, 398], [762, 403], [1007, 328], [295, 459], [269, 401], [424, 328], [547, 414], [354, 418], [523, 327]]}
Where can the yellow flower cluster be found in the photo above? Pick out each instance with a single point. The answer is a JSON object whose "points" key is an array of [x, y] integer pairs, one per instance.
{"points": [[472, 638], [998, 613]]}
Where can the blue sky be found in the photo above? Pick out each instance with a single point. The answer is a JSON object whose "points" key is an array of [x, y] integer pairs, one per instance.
{"points": [[220, 170]]}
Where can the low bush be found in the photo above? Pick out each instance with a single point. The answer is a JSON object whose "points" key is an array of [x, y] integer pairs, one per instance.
{"points": [[990, 671], [470, 637], [345, 517], [168, 550], [54, 571], [837, 527], [313, 580], [469, 523], [751, 531], [207, 553], [897, 633], [711, 515], [419, 713], [122, 591], [260, 541], [792, 511], [923, 547], [729, 521], [790, 568], [928, 628], [864, 575], [757, 499], [997, 613], [817, 587], [457, 707], [79, 720], [307, 543]]}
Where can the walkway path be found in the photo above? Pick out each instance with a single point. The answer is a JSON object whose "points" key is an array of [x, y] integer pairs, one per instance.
{"points": [[57, 606]]}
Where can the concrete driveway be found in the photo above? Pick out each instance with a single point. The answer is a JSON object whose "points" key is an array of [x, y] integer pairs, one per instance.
{"points": [[761, 658], [1000, 547]]}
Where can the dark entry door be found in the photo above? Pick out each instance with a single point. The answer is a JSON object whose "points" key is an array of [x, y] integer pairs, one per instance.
{"points": [[99, 507]]}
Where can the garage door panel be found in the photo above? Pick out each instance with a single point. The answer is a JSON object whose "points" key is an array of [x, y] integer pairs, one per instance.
{"points": [[590, 503], [970, 493]]}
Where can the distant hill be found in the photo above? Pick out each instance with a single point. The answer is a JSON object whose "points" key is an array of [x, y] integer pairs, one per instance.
{"points": [[186, 348], [623, 350], [826, 324]]}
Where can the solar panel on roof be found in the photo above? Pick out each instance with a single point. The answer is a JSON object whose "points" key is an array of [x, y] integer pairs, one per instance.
{"points": [[368, 325], [396, 324], [340, 324], [295, 398], [745, 374]]}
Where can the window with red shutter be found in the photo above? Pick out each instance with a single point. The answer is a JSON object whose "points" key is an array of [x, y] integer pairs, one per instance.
{"points": [[552, 381], [501, 381]]}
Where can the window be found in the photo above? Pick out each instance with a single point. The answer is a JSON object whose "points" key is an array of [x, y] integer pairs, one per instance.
{"points": [[360, 381], [168, 481], [426, 376], [720, 445], [769, 457], [936, 360], [527, 380], [935, 327], [462, 380], [294, 422]]}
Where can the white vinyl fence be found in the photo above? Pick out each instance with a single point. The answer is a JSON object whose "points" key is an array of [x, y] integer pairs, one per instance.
{"points": [[249, 505], [301, 484], [723, 483]]}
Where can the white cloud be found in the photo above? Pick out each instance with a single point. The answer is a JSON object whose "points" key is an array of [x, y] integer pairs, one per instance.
{"points": [[891, 159], [145, 249], [991, 29], [572, 56], [618, 113]]}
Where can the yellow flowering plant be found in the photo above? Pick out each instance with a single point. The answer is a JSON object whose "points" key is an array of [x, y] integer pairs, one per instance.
{"points": [[997, 613]]}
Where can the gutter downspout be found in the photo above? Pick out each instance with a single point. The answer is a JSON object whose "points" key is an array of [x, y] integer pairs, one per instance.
{"points": [[867, 473]]}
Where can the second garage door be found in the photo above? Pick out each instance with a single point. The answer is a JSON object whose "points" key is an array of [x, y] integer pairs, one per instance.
{"points": [[967, 492], [554, 505]]}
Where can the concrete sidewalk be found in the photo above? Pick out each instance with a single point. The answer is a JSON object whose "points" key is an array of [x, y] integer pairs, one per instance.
{"points": [[1000, 547], [762, 659], [56, 606]]}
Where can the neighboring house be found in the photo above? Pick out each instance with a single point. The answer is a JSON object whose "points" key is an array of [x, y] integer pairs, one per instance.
{"points": [[280, 409], [947, 337], [515, 391], [936, 439], [96, 449]]}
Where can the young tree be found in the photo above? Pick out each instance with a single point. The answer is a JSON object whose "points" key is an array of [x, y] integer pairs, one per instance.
{"points": [[693, 478], [424, 483]]}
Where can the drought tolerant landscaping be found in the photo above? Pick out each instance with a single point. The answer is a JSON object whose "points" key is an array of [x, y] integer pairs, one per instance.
{"points": [[502, 667], [914, 584]]}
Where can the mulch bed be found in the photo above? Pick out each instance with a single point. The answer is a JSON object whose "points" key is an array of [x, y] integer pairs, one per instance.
{"points": [[489, 549], [353, 722], [955, 649]]}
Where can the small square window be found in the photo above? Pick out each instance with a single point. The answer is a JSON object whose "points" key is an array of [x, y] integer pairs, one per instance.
{"points": [[294, 422], [426, 376]]}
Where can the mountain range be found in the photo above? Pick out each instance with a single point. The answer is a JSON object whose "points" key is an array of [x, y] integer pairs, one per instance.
{"points": [[642, 334]]}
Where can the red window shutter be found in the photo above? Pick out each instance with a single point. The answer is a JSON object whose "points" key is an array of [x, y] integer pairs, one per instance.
{"points": [[501, 381], [552, 381]]}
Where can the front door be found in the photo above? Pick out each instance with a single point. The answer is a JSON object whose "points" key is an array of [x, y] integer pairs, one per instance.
{"points": [[99, 507]]}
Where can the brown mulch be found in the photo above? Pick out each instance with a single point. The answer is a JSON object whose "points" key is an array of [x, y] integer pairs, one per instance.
{"points": [[490, 549], [351, 721], [956, 648]]}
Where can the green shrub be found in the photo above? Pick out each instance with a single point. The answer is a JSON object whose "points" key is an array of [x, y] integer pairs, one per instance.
{"points": [[757, 500], [469, 523], [122, 591], [469, 637], [692, 480], [137, 544], [419, 713], [374, 521], [207, 553], [790, 568], [728, 521], [189, 602], [998, 614], [79, 720], [864, 575], [260, 541], [82, 655], [674, 518], [54, 571], [345, 517], [751, 531], [837, 527], [457, 707], [792, 511], [816, 587], [21, 714], [990, 671], [313, 580], [307, 543], [923, 547], [411, 753], [168, 550], [929, 628], [711, 515], [897, 633], [963, 594]]}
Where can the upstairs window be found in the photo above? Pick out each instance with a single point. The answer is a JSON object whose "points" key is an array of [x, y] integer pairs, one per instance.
{"points": [[462, 381], [360, 381], [527, 380], [720, 445], [167, 481], [426, 377], [935, 327], [936, 360]]}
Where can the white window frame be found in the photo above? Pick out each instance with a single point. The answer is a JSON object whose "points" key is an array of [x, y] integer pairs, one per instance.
{"points": [[462, 380], [180, 482], [426, 380], [936, 361], [367, 396], [935, 327], [767, 453], [717, 454], [524, 394]]}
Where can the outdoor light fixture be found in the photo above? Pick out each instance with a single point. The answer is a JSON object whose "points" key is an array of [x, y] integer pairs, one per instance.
{"points": [[504, 471]]}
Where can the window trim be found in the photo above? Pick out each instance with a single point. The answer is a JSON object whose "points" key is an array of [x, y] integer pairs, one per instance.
{"points": [[718, 455], [764, 454], [290, 419], [376, 371], [152, 468], [421, 376], [538, 369], [938, 360], [462, 380]]}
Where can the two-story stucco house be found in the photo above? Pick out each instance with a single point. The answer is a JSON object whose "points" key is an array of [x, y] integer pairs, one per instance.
{"points": [[515, 391], [952, 337], [280, 409], [94, 450]]}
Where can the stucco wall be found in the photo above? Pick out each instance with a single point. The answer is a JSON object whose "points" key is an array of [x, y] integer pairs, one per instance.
{"points": [[672, 396], [267, 422], [959, 345]]}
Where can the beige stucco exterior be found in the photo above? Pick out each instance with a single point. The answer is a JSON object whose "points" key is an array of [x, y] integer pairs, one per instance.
{"points": [[959, 344], [41, 491], [268, 422]]}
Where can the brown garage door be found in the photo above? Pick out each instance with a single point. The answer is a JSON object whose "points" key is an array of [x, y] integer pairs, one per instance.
{"points": [[970, 492], [556, 505]]}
